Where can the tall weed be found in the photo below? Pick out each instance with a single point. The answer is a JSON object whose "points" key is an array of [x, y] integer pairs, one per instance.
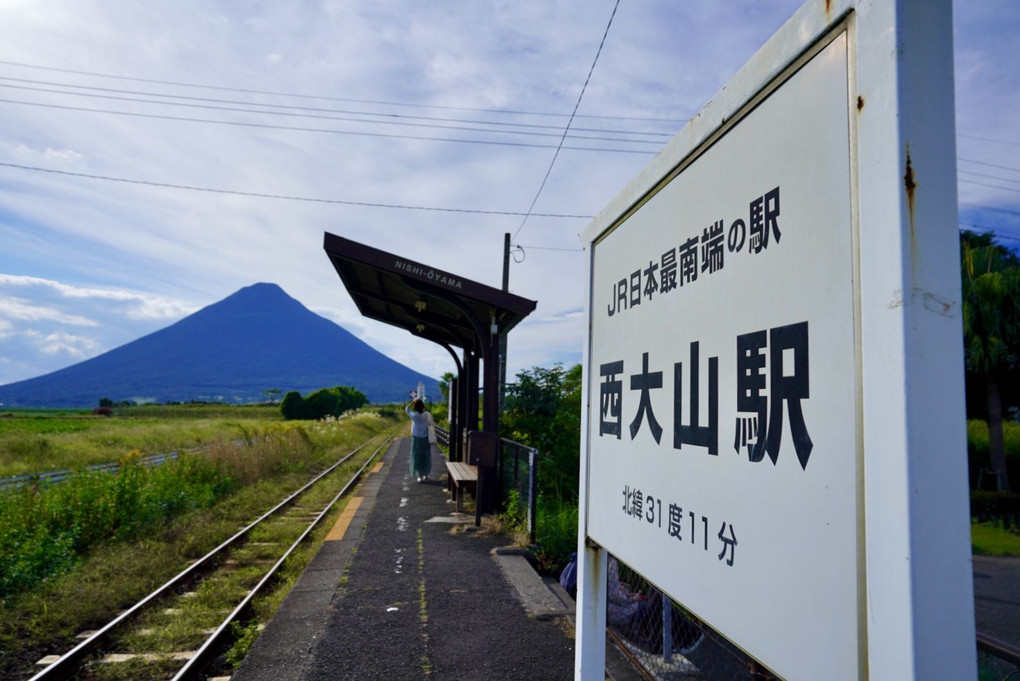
{"points": [[556, 532], [45, 530]]}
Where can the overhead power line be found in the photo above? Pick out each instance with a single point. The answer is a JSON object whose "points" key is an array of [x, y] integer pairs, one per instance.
{"points": [[990, 186], [553, 248], [566, 129], [990, 165], [996, 210], [298, 95], [276, 126], [292, 114], [988, 139], [262, 195], [269, 108], [989, 177]]}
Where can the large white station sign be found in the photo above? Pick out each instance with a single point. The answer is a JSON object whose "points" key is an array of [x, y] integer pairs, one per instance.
{"points": [[722, 431]]}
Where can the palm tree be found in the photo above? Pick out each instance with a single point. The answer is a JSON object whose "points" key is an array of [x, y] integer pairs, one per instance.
{"points": [[991, 328], [444, 386]]}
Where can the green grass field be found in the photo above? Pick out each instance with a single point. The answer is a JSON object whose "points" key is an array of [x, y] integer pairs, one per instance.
{"points": [[988, 539], [35, 441]]}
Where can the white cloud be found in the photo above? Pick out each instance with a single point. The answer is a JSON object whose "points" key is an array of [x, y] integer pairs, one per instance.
{"points": [[137, 305], [49, 156], [63, 343], [25, 310]]}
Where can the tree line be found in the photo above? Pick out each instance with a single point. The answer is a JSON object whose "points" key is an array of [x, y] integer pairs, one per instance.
{"points": [[322, 403]]}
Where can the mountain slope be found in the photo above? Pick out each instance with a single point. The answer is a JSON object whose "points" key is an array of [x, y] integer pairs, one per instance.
{"points": [[256, 339]]}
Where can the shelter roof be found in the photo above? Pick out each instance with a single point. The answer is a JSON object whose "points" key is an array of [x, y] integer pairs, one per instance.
{"points": [[428, 302]]}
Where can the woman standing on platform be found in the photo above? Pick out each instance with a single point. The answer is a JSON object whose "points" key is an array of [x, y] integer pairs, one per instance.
{"points": [[421, 449]]}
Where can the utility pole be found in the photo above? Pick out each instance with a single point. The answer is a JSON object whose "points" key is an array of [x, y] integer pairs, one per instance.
{"points": [[502, 334]]}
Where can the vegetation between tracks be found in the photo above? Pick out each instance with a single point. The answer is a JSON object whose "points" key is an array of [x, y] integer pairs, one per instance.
{"points": [[115, 537]]}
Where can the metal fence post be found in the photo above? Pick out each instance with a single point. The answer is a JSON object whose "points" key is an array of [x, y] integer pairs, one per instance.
{"points": [[667, 629], [532, 492]]}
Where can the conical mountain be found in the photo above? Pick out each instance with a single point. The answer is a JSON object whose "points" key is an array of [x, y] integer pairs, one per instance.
{"points": [[232, 351]]}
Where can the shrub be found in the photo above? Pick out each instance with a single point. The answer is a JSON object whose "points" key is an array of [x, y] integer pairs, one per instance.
{"points": [[978, 459], [997, 507], [292, 406], [543, 410]]}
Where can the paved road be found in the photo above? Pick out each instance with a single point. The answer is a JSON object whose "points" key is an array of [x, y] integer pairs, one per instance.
{"points": [[997, 597]]}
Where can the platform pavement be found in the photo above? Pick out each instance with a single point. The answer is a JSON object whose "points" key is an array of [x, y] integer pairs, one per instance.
{"points": [[406, 588]]}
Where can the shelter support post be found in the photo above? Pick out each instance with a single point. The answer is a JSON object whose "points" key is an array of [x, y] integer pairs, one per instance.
{"points": [[453, 411]]}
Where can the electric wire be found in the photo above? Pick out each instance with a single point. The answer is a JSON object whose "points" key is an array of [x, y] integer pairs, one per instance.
{"points": [[571, 120], [565, 134], [997, 210], [357, 133], [331, 98], [292, 114], [990, 165], [551, 248], [989, 177], [292, 107], [987, 139], [263, 195], [985, 184]]}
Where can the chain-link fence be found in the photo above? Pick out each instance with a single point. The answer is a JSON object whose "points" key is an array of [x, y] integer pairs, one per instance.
{"points": [[664, 641], [518, 470]]}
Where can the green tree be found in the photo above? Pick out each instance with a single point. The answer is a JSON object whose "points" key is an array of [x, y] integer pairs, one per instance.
{"points": [[543, 410], [444, 386], [322, 403], [991, 327], [292, 406]]}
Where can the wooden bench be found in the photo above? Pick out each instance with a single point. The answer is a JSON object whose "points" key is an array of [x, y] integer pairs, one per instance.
{"points": [[462, 476]]}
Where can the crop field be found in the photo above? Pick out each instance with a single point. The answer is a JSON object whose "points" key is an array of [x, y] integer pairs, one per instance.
{"points": [[76, 551], [35, 441]]}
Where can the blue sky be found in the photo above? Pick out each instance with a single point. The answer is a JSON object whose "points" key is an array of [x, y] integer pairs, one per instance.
{"points": [[257, 99]]}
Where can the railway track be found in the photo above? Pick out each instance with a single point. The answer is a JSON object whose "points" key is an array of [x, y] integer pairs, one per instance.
{"points": [[180, 629]]}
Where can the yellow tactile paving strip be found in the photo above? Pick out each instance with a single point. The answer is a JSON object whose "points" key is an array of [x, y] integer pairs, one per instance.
{"points": [[344, 521]]}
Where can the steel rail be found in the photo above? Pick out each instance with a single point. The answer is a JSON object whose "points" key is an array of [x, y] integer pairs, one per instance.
{"points": [[67, 664], [207, 652]]}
